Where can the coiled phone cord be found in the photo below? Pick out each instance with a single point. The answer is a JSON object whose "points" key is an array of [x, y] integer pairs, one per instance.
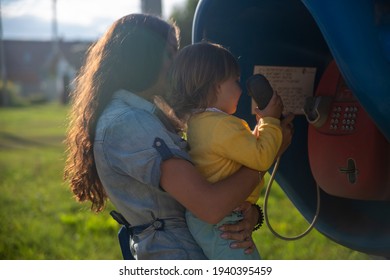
{"points": [[266, 196]]}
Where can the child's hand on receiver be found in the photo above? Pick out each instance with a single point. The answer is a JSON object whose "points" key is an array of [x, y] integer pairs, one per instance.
{"points": [[274, 108]]}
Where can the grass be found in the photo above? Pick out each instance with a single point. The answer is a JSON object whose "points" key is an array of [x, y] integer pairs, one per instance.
{"points": [[40, 220], [286, 220]]}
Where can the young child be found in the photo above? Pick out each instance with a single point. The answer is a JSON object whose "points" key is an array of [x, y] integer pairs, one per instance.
{"points": [[205, 91]]}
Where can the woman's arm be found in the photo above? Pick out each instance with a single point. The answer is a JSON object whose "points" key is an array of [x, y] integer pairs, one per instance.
{"points": [[209, 202]]}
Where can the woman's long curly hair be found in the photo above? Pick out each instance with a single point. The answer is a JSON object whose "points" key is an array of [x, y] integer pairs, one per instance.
{"points": [[128, 56]]}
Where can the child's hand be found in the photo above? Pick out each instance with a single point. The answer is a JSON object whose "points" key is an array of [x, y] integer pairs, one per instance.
{"points": [[287, 132], [274, 108]]}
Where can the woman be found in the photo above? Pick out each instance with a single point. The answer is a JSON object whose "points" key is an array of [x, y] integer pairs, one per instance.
{"points": [[122, 147]]}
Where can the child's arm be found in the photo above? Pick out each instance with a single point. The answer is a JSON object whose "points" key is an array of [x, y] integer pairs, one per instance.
{"points": [[234, 141], [287, 132]]}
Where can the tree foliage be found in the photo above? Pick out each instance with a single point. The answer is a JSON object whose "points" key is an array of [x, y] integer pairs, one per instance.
{"points": [[183, 16]]}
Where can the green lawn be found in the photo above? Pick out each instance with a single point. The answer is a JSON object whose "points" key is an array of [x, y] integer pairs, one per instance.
{"points": [[39, 219]]}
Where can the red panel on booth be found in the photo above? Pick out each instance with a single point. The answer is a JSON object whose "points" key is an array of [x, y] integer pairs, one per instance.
{"points": [[349, 156]]}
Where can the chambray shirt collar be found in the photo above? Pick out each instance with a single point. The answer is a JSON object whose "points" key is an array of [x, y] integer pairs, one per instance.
{"points": [[134, 100]]}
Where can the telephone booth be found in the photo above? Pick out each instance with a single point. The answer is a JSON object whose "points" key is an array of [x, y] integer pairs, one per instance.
{"points": [[294, 44]]}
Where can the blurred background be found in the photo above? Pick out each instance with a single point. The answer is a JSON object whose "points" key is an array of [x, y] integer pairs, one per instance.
{"points": [[43, 42], [42, 46]]}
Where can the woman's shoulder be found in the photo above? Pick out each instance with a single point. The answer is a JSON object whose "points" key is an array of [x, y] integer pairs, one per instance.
{"points": [[121, 122]]}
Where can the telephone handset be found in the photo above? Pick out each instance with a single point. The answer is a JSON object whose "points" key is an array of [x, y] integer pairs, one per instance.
{"points": [[348, 155], [261, 91]]}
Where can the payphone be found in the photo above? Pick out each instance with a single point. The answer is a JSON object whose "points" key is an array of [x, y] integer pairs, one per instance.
{"points": [[296, 52], [348, 155]]}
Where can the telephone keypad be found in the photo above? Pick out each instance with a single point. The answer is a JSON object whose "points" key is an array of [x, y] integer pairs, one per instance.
{"points": [[343, 119]]}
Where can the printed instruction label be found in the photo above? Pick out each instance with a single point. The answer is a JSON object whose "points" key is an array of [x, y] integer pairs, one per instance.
{"points": [[293, 84]]}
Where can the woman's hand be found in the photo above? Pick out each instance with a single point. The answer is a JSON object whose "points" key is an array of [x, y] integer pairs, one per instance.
{"points": [[241, 232]]}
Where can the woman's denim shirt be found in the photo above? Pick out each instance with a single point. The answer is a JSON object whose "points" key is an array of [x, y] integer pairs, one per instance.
{"points": [[130, 144]]}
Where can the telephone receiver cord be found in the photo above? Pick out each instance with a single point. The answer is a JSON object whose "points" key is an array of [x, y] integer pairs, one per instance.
{"points": [[266, 196]]}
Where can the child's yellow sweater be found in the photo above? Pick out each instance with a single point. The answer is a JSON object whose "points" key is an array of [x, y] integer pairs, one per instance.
{"points": [[220, 144]]}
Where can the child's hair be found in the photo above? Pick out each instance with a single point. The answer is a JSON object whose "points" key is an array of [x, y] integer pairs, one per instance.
{"points": [[196, 72]]}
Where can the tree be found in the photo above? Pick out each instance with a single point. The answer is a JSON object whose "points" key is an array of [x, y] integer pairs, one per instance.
{"points": [[184, 16]]}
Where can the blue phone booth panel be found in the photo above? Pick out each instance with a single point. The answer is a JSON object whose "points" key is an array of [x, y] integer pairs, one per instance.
{"points": [[284, 33]]}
